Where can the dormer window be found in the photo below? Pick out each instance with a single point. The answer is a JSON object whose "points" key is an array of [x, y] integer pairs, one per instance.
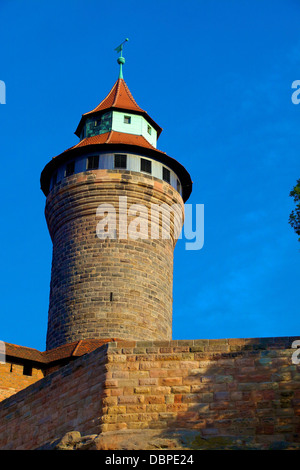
{"points": [[70, 168], [166, 175], [127, 119], [146, 165]]}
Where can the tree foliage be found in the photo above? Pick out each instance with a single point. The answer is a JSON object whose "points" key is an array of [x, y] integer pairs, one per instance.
{"points": [[294, 219]]}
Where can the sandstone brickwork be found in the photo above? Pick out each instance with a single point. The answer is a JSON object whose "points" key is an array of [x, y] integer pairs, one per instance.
{"points": [[23, 366], [192, 394], [14, 377], [110, 287], [47, 408]]}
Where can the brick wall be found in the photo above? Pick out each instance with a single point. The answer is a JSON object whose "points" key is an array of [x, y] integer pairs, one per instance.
{"points": [[220, 387], [113, 287], [246, 388], [66, 399], [14, 378]]}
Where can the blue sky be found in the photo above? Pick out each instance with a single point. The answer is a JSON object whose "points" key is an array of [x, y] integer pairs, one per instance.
{"points": [[216, 76]]}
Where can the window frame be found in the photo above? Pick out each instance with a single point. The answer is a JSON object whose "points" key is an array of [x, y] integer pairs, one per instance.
{"points": [[127, 119], [168, 172], [121, 155], [178, 186], [91, 158], [146, 161]]}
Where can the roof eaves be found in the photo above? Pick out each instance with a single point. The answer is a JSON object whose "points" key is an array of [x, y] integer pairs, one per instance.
{"points": [[66, 351]]}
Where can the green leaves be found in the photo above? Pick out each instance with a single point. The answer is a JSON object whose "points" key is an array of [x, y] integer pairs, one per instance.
{"points": [[294, 219]]}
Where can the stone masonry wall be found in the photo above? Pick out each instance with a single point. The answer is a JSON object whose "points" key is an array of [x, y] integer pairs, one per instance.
{"points": [[13, 379], [111, 287], [246, 389], [230, 387], [66, 399]]}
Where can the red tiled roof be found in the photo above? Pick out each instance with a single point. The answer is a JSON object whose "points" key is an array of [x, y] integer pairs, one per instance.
{"points": [[23, 352], [75, 349], [114, 137], [118, 97]]}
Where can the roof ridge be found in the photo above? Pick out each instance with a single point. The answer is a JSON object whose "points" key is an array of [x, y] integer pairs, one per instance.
{"points": [[117, 91], [76, 347], [74, 146], [116, 94], [129, 94], [110, 133]]}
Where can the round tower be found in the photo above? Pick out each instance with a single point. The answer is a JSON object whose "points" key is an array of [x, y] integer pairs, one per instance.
{"points": [[114, 210]]}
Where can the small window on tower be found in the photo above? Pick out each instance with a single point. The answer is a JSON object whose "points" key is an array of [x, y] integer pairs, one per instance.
{"points": [[70, 168], [178, 186], [146, 165], [93, 162], [149, 129], [166, 174], [120, 161], [127, 119]]}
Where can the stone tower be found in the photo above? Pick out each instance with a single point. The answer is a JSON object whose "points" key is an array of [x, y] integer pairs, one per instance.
{"points": [[114, 209]]}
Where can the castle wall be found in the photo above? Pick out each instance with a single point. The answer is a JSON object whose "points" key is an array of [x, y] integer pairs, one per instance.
{"points": [[243, 388], [220, 387], [119, 287], [67, 398], [14, 377]]}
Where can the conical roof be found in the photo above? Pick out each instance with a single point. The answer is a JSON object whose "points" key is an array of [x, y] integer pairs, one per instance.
{"points": [[119, 98]]}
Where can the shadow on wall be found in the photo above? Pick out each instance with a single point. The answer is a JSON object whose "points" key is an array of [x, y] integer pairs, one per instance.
{"points": [[243, 399], [198, 395], [213, 394]]}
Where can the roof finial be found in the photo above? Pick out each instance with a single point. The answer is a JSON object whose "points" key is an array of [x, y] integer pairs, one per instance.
{"points": [[121, 59]]}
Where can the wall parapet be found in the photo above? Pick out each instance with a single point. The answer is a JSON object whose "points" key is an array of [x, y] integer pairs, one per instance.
{"points": [[67, 398], [243, 388], [227, 344]]}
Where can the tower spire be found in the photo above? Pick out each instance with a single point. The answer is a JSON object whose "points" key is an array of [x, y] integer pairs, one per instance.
{"points": [[121, 59]]}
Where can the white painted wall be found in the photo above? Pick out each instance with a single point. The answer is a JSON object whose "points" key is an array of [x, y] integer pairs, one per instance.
{"points": [[138, 126]]}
